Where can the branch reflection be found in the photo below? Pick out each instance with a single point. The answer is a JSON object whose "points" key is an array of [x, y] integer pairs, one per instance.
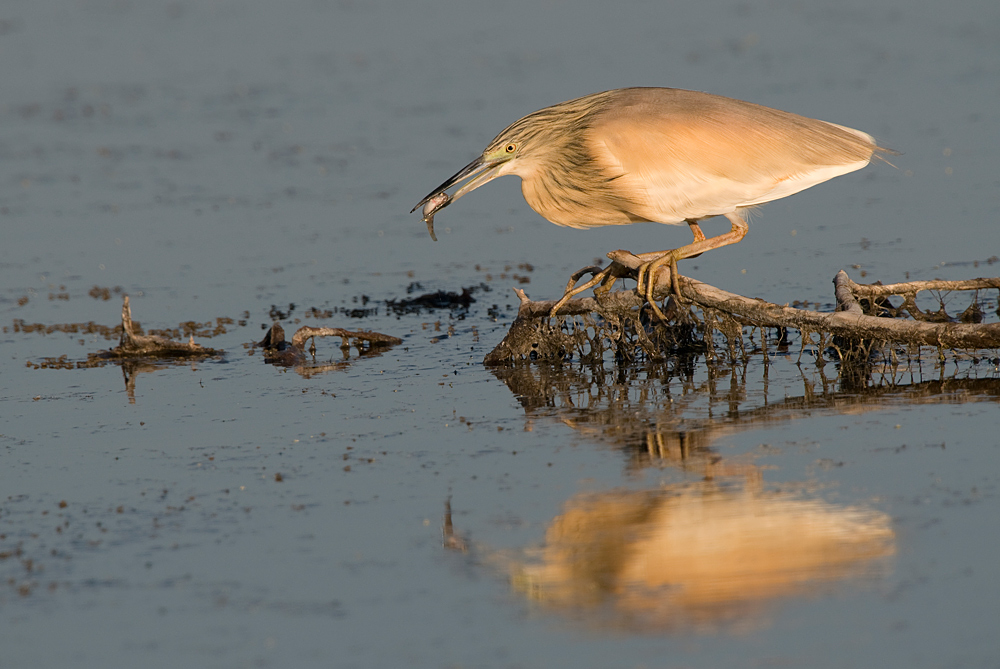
{"points": [[672, 413]]}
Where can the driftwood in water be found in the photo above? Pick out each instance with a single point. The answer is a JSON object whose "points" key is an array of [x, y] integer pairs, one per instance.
{"points": [[135, 345], [281, 351], [862, 316]]}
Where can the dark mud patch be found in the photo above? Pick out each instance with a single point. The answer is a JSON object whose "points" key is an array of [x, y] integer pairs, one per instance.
{"points": [[437, 300]]}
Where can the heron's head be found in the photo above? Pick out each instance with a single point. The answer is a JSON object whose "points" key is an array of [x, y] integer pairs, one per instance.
{"points": [[516, 150], [551, 140]]}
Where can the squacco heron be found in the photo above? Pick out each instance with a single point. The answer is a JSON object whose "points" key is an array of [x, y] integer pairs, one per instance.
{"points": [[659, 155]]}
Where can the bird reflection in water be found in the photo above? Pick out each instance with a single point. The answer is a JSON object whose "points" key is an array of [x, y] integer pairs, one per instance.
{"points": [[699, 556]]}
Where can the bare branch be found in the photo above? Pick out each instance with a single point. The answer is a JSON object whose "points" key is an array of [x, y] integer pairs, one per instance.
{"points": [[306, 332], [912, 287], [848, 322]]}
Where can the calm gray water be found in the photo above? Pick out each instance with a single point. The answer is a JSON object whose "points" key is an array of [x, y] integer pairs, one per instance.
{"points": [[229, 160]]}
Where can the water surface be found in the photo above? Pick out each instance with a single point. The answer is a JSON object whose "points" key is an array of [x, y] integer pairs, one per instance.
{"points": [[252, 161]]}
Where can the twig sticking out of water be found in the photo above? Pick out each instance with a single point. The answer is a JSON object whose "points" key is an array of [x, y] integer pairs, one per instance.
{"points": [[134, 345]]}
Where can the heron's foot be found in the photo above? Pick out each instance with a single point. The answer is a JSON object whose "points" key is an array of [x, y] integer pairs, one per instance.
{"points": [[572, 289], [674, 283], [649, 275], [605, 286]]}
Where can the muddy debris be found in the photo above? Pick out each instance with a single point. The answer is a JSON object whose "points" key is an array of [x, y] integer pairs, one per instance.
{"points": [[104, 293], [133, 345]]}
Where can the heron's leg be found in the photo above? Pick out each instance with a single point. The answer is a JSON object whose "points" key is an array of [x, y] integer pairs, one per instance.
{"points": [[737, 232], [698, 235], [572, 289]]}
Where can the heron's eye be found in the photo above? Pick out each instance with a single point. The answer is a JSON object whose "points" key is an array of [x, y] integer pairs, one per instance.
{"points": [[511, 148]]}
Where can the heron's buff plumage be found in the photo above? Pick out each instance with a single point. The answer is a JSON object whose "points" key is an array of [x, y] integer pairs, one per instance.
{"points": [[670, 155]]}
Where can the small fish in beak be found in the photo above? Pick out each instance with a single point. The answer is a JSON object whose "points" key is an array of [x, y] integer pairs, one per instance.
{"points": [[434, 205]]}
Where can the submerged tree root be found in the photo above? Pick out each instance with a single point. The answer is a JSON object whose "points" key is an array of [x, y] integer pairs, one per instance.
{"points": [[864, 321]]}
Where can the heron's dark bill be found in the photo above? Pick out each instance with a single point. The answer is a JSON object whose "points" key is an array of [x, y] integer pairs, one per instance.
{"points": [[482, 171], [471, 168]]}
